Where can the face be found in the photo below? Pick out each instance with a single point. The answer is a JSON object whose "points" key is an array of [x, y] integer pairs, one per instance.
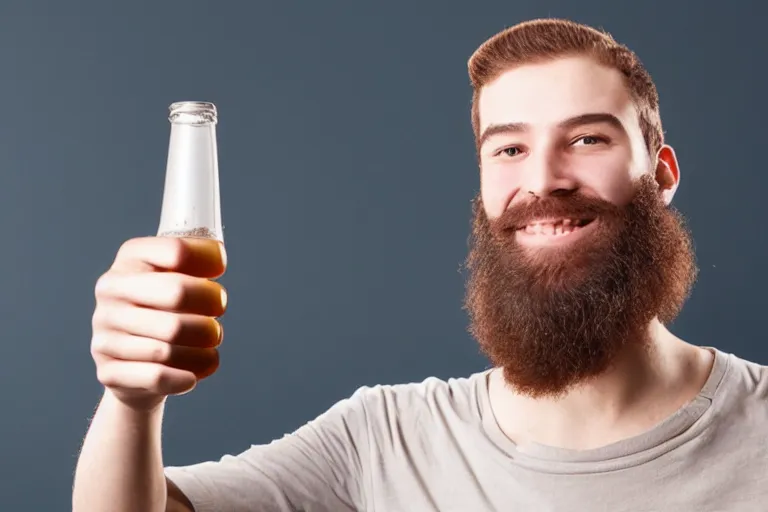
{"points": [[575, 248], [556, 127]]}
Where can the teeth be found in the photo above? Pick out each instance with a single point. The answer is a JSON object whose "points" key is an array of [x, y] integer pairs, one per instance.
{"points": [[558, 228]]}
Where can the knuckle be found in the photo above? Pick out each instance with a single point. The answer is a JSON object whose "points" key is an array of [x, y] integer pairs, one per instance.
{"points": [[125, 248], [105, 375], [155, 377], [160, 353], [158, 379], [177, 291], [103, 286], [100, 317], [174, 328], [176, 251], [98, 345]]}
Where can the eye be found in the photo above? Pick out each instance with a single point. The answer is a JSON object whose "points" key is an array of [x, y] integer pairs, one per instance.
{"points": [[590, 140], [510, 151]]}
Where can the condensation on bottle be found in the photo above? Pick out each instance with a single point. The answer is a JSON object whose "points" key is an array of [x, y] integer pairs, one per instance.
{"points": [[191, 200]]}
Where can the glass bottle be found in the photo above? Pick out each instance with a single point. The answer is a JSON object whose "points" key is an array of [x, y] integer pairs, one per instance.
{"points": [[191, 202]]}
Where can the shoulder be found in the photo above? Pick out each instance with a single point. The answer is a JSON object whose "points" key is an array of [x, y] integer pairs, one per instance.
{"points": [[739, 406], [748, 376], [737, 382], [432, 399]]}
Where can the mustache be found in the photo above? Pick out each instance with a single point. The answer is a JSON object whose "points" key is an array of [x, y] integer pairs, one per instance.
{"points": [[574, 206]]}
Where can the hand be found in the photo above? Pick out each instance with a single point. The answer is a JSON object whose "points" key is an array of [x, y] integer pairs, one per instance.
{"points": [[155, 331]]}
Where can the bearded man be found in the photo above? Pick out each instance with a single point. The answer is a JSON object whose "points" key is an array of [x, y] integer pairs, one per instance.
{"points": [[577, 264]]}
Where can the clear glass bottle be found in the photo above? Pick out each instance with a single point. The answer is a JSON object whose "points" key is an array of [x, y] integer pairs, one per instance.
{"points": [[191, 202]]}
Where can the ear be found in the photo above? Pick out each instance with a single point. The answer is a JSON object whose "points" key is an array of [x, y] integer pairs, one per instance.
{"points": [[667, 172]]}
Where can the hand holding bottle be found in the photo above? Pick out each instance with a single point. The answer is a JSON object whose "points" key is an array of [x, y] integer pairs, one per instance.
{"points": [[155, 331]]}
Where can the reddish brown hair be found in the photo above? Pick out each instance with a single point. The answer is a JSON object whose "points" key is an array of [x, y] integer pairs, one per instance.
{"points": [[545, 39]]}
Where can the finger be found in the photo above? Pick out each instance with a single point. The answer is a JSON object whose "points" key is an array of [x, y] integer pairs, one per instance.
{"points": [[164, 290], [192, 256], [180, 329], [141, 376], [200, 361]]}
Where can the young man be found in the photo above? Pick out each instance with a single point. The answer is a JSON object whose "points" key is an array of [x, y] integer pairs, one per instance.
{"points": [[577, 262]]}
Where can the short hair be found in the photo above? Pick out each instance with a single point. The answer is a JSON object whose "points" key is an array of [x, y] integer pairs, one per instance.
{"points": [[548, 39]]}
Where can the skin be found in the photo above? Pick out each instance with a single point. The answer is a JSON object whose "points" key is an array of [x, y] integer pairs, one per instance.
{"points": [[555, 128], [155, 334]]}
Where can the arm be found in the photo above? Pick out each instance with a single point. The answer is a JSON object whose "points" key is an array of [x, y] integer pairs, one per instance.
{"points": [[120, 465], [119, 433], [155, 334], [322, 466]]}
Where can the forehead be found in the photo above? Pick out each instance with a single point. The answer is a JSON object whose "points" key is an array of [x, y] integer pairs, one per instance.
{"points": [[543, 94]]}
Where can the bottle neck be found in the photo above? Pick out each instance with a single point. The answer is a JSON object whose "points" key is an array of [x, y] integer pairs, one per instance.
{"points": [[191, 204]]}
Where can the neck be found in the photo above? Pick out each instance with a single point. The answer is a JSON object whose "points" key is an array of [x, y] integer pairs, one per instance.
{"points": [[647, 383]]}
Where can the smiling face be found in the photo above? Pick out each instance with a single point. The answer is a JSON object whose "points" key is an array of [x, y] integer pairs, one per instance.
{"points": [[558, 127], [574, 248]]}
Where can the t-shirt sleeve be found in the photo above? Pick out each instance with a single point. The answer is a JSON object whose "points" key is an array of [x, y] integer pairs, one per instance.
{"points": [[321, 467]]}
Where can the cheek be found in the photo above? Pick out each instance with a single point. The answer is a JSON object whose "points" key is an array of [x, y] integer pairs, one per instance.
{"points": [[496, 188], [616, 187], [611, 178]]}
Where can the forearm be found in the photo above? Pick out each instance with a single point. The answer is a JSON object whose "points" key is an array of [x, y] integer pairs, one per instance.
{"points": [[120, 466]]}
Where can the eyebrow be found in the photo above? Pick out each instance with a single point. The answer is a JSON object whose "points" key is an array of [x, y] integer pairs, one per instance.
{"points": [[571, 122]]}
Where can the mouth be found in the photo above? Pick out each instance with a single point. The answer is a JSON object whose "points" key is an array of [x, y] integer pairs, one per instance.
{"points": [[553, 231]]}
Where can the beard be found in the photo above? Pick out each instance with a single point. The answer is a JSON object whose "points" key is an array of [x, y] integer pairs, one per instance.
{"points": [[556, 317]]}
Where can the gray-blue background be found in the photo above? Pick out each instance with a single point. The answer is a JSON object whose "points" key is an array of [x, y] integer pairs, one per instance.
{"points": [[347, 170]]}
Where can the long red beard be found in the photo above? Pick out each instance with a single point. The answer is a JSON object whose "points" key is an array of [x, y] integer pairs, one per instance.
{"points": [[555, 318]]}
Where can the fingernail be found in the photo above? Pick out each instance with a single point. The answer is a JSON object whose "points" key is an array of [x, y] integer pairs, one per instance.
{"points": [[221, 331], [223, 254]]}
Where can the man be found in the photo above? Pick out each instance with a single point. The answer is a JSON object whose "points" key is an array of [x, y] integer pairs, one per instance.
{"points": [[577, 262]]}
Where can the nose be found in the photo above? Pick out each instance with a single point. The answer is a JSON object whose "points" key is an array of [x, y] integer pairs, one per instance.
{"points": [[545, 175]]}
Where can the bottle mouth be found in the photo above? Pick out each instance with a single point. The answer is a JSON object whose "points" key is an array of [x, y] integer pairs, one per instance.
{"points": [[193, 112]]}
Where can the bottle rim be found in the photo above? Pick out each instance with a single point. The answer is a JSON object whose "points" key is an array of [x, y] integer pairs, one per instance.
{"points": [[192, 112]]}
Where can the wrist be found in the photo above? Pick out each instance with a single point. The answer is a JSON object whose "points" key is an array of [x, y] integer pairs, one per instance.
{"points": [[133, 408]]}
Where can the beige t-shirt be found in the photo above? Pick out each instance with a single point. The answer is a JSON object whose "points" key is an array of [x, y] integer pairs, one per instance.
{"points": [[435, 446]]}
